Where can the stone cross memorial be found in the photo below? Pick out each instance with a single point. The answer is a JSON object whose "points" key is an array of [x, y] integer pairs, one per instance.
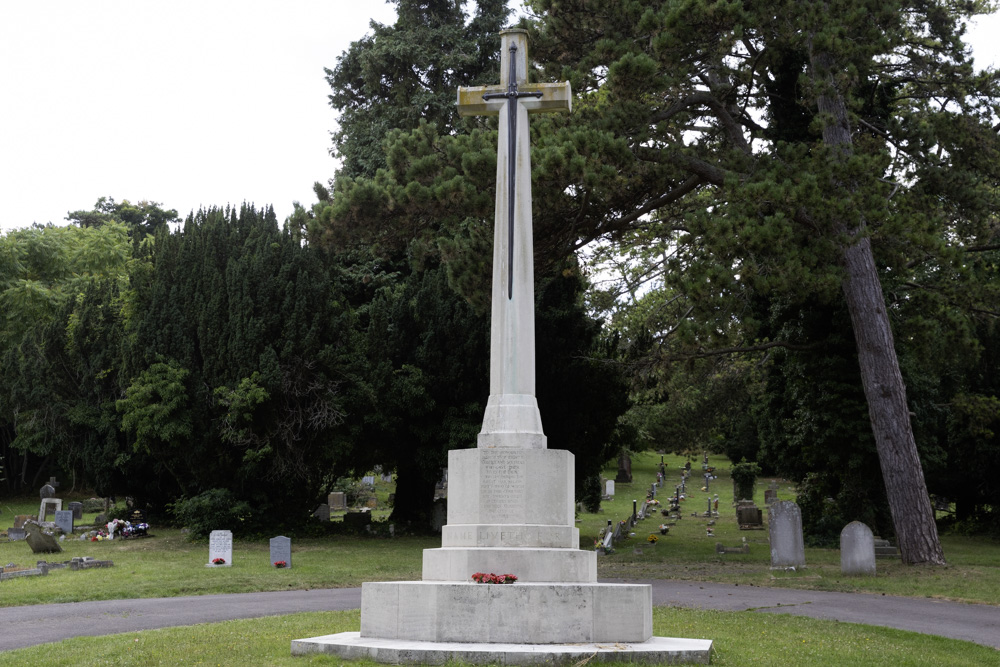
{"points": [[510, 499], [220, 546]]}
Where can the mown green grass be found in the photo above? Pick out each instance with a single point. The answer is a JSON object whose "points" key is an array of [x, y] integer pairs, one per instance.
{"points": [[687, 552], [740, 639], [170, 565]]}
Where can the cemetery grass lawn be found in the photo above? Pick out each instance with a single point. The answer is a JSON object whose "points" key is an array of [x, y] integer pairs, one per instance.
{"points": [[740, 639], [687, 552], [168, 565]]}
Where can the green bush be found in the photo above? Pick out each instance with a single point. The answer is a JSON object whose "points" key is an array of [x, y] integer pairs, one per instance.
{"points": [[215, 509]]}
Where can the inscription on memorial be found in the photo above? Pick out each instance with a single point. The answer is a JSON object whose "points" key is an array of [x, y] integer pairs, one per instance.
{"points": [[502, 483]]}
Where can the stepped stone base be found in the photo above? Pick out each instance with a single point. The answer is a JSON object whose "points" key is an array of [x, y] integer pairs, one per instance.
{"points": [[539, 613], [656, 650], [455, 564]]}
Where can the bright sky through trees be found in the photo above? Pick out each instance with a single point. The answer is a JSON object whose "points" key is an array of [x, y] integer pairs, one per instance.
{"points": [[185, 103]]}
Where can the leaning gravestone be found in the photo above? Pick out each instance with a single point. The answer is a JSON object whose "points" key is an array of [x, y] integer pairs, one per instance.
{"points": [[220, 548], [281, 551], [64, 521], [40, 541], [784, 519], [857, 549]]}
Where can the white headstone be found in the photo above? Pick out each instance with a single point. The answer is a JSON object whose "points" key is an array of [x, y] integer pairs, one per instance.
{"points": [[220, 546], [609, 488], [64, 519], [281, 551], [857, 550], [785, 533]]}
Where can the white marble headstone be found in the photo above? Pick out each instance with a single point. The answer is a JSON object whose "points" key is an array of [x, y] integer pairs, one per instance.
{"points": [[857, 549], [220, 545], [784, 520]]}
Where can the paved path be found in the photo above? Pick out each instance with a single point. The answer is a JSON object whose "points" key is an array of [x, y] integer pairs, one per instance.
{"points": [[38, 624]]}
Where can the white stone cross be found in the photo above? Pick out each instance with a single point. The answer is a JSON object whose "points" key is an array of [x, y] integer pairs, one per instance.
{"points": [[512, 418]]}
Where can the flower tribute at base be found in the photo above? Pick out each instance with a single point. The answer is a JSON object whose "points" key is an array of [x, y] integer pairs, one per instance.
{"points": [[483, 578]]}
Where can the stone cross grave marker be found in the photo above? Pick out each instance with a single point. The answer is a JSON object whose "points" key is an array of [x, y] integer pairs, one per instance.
{"points": [[281, 550], [784, 520], [857, 550], [512, 418], [64, 520], [220, 545]]}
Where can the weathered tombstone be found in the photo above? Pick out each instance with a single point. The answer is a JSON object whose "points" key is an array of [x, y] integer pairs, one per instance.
{"points": [[322, 512], [770, 496], [749, 517], [64, 521], [16, 534], [785, 521], [624, 475], [857, 550], [337, 501], [47, 491], [40, 541], [609, 488], [48, 505], [21, 519], [220, 548], [281, 551], [77, 510]]}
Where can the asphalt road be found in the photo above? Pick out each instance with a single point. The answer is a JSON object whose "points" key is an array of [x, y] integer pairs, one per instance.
{"points": [[39, 624]]}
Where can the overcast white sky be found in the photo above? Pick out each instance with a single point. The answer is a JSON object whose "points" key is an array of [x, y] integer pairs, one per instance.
{"points": [[185, 103]]}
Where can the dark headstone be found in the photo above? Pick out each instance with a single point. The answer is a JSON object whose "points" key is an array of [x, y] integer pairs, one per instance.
{"points": [[281, 551], [358, 519], [47, 491], [624, 475], [40, 542], [77, 510]]}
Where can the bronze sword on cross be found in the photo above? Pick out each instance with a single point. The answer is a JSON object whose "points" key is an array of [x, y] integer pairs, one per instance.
{"points": [[512, 94]]}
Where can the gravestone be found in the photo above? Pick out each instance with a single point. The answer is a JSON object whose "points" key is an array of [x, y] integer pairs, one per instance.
{"points": [[609, 488], [337, 501], [77, 510], [510, 505], [857, 550], [784, 519], [16, 534], [48, 505], [220, 545], [770, 496], [40, 541], [322, 512], [64, 521], [368, 480], [624, 475], [749, 517], [281, 550], [46, 491], [21, 519]]}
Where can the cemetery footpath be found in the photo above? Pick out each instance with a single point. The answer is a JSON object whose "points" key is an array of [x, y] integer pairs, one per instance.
{"points": [[40, 624]]}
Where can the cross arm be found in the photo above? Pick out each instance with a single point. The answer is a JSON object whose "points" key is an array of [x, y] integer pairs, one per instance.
{"points": [[555, 97]]}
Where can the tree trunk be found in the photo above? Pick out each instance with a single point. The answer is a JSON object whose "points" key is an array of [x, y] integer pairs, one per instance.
{"points": [[909, 502]]}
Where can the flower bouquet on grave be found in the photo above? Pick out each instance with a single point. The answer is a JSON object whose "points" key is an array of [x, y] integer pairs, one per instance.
{"points": [[664, 529], [652, 539], [483, 578], [218, 561], [280, 564]]}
